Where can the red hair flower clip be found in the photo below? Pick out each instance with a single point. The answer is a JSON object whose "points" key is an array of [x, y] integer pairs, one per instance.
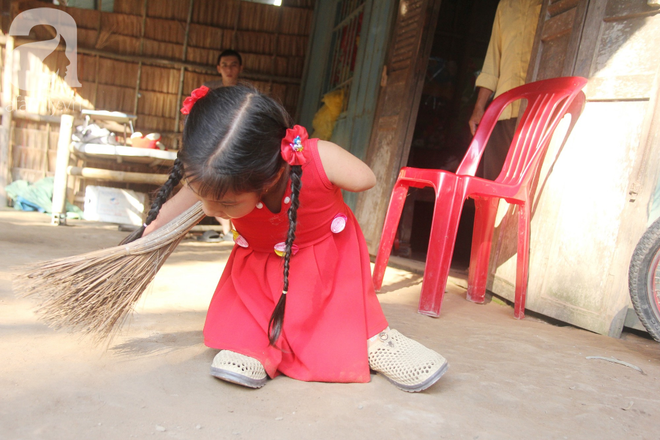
{"points": [[293, 145], [192, 99]]}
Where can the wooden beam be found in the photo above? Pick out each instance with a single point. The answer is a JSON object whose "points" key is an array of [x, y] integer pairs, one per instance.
{"points": [[139, 74], [117, 176], [201, 68], [22, 114], [235, 30], [177, 117]]}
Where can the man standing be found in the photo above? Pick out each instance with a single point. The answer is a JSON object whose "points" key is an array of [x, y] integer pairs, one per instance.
{"points": [[505, 67], [230, 66]]}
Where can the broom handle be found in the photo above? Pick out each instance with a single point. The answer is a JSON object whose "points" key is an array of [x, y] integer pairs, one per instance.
{"points": [[161, 237], [175, 229]]}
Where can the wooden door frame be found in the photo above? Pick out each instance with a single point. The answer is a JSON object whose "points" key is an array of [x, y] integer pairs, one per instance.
{"points": [[413, 85]]}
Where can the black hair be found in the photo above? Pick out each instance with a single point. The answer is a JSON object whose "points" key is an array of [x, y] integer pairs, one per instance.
{"points": [[230, 53], [231, 142]]}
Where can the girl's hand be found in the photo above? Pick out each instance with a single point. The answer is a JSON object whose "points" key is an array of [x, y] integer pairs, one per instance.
{"points": [[345, 170], [180, 202]]}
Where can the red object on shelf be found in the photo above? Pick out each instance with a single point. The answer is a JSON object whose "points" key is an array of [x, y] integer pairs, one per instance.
{"points": [[148, 141], [547, 103]]}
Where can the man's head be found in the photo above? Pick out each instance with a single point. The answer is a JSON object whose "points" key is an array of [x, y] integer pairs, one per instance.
{"points": [[230, 66]]}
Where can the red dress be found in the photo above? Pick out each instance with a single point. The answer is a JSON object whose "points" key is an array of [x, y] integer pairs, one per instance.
{"points": [[331, 308]]}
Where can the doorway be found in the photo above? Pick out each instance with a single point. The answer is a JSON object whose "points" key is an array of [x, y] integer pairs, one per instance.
{"points": [[441, 135]]}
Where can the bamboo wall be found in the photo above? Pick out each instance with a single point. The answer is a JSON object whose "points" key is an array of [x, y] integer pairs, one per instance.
{"points": [[140, 60], [272, 41]]}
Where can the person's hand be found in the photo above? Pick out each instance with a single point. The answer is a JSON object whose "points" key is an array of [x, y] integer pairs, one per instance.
{"points": [[483, 96], [475, 119]]}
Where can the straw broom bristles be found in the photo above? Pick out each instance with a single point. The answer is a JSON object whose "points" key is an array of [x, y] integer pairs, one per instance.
{"points": [[93, 293]]}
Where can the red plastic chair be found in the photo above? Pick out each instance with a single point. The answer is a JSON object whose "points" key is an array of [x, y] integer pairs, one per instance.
{"points": [[547, 103]]}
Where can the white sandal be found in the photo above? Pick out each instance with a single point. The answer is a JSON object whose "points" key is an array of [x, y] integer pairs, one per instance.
{"points": [[406, 363], [239, 369]]}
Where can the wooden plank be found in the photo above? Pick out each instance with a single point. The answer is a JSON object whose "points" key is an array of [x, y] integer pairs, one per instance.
{"points": [[623, 87], [182, 73], [557, 39], [624, 57], [117, 176], [574, 274], [558, 25], [189, 66], [587, 219], [128, 154], [575, 41], [561, 6], [589, 41], [630, 9], [396, 113]]}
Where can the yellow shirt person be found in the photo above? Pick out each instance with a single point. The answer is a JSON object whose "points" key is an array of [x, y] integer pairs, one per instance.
{"points": [[505, 66], [510, 47]]}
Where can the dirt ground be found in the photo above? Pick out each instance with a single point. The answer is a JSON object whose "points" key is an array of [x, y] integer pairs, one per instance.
{"points": [[507, 379]]}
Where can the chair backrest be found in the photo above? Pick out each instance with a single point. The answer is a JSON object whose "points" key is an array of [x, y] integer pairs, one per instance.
{"points": [[547, 103]]}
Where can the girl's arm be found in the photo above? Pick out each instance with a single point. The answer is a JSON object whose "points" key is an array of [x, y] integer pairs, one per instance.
{"points": [[181, 201], [345, 170]]}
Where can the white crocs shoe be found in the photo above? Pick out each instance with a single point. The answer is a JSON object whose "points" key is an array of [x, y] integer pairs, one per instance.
{"points": [[406, 363], [240, 369]]}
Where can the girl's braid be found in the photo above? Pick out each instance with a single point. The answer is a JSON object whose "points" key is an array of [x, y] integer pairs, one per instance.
{"points": [[161, 197], [275, 324]]}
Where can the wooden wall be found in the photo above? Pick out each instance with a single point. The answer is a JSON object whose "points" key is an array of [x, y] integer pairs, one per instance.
{"points": [[139, 59], [149, 40], [591, 205]]}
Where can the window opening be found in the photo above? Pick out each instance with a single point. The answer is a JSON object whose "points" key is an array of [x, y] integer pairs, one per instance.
{"points": [[344, 47]]}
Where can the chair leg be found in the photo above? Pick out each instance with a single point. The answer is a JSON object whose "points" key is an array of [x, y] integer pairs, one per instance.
{"points": [[522, 271], [446, 216], [482, 240], [389, 231]]}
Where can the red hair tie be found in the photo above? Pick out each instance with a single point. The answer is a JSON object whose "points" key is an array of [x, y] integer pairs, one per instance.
{"points": [[192, 99], [293, 145]]}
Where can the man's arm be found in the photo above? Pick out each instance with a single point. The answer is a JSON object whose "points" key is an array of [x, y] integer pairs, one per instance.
{"points": [[490, 72], [479, 108]]}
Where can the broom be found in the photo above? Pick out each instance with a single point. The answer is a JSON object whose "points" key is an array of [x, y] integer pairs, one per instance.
{"points": [[93, 293]]}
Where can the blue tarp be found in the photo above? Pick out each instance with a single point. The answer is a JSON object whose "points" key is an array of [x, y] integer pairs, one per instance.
{"points": [[37, 197]]}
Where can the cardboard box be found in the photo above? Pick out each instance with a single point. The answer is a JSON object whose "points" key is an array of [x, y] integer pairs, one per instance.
{"points": [[114, 205]]}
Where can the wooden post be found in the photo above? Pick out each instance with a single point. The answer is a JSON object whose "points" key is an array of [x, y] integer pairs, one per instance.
{"points": [[273, 62], [235, 31], [96, 74], [61, 164], [96, 82], [44, 165], [177, 117], [5, 132], [139, 75]]}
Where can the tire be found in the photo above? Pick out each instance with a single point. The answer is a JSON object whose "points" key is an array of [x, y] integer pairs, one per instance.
{"points": [[644, 280]]}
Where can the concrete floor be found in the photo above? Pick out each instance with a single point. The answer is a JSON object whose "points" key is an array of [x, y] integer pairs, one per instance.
{"points": [[507, 379]]}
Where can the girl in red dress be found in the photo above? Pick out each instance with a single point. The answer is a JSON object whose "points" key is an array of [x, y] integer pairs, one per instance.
{"points": [[296, 295]]}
